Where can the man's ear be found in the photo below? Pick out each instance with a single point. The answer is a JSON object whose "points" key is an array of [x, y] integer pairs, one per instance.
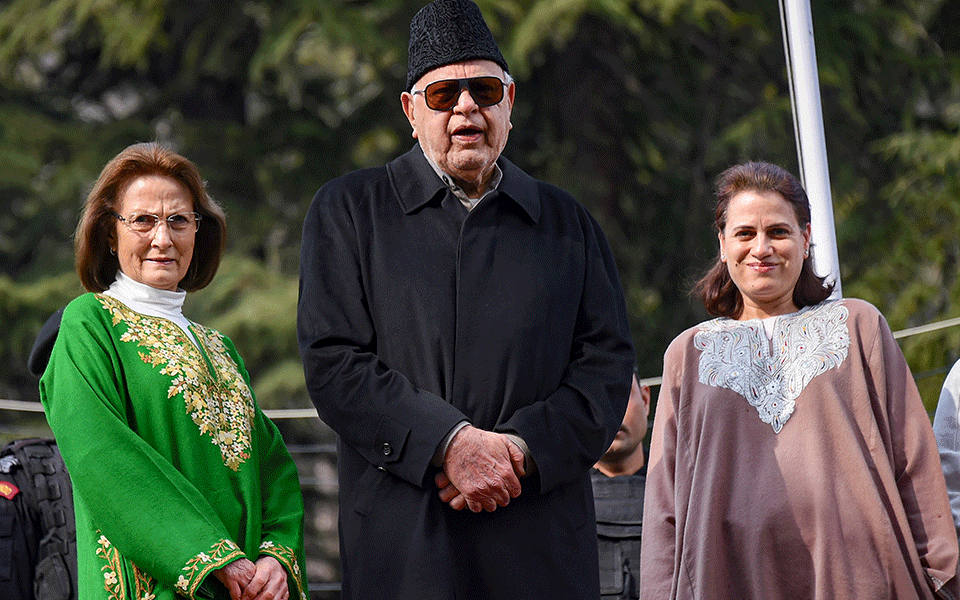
{"points": [[406, 101]]}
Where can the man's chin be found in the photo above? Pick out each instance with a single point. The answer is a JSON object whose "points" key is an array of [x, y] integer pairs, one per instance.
{"points": [[471, 168], [615, 449]]}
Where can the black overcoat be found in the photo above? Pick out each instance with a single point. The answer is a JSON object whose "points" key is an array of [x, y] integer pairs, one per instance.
{"points": [[415, 314]]}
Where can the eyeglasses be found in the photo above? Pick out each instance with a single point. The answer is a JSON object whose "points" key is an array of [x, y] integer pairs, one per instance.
{"points": [[145, 222], [444, 94]]}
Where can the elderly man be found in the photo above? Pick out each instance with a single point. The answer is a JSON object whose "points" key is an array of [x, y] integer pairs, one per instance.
{"points": [[618, 480], [463, 331]]}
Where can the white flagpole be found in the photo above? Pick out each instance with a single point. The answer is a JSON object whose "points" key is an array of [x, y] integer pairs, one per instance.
{"points": [[808, 124]]}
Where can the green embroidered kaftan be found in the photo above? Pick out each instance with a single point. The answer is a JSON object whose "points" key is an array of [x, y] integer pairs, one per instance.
{"points": [[176, 471]]}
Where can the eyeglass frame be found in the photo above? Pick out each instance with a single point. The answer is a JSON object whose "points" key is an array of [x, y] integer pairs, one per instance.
{"points": [[157, 218], [464, 83]]}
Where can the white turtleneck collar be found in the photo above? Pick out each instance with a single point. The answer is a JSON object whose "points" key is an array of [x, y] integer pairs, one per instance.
{"points": [[150, 301]]}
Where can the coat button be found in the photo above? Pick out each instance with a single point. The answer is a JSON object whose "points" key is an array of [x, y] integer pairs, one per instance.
{"points": [[387, 449]]}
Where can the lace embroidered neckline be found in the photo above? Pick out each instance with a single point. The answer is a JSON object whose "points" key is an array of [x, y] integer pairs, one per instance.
{"points": [[770, 375]]}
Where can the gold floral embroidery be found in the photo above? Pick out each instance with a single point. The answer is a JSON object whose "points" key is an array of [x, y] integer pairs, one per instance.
{"points": [[144, 583], [287, 558], [219, 402], [202, 564], [113, 581], [112, 571]]}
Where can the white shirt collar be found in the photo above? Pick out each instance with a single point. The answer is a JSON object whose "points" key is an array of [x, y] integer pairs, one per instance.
{"points": [[150, 301]]}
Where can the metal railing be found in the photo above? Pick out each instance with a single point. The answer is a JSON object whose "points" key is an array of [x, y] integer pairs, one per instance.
{"points": [[306, 413]]}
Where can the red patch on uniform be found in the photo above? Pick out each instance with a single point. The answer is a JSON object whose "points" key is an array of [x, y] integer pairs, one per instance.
{"points": [[8, 490]]}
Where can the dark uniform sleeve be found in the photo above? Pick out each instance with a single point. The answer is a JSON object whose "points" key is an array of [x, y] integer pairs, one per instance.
{"points": [[374, 409]]}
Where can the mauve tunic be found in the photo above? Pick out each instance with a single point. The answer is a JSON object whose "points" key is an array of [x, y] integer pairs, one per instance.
{"points": [[800, 468], [414, 315]]}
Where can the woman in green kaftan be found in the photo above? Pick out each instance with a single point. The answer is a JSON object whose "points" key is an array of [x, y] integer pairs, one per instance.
{"points": [[183, 488]]}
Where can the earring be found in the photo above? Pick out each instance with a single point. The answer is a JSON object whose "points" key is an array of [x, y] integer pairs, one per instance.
{"points": [[113, 251], [806, 252], [723, 258]]}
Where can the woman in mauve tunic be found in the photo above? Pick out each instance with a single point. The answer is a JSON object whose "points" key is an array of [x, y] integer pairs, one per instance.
{"points": [[791, 455]]}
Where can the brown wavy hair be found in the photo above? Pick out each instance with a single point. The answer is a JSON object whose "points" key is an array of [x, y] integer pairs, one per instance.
{"points": [[96, 266], [716, 289]]}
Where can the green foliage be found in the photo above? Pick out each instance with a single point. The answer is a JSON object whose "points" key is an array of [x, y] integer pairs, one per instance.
{"points": [[632, 105], [23, 310], [897, 214], [120, 30]]}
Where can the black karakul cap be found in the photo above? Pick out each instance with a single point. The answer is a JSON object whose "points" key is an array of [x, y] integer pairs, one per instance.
{"points": [[446, 32]]}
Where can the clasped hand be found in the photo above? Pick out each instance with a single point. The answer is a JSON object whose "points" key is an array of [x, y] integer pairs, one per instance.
{"points": [[481, 470], [264, 580]]}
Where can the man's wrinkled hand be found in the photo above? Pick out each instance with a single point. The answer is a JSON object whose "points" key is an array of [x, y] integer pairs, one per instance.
{"points": [[481, 471]]}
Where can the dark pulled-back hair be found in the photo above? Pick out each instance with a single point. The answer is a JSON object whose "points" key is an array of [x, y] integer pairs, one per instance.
{"points": [[96, 266], [716, 289]]}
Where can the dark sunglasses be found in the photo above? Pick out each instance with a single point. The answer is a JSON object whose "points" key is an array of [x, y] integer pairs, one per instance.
{"points": [[444, 94]]}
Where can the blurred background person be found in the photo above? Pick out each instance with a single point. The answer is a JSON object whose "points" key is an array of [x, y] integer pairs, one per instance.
{"points": [[791, 455], [618, 479], [182, 487], [946, 427]]}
